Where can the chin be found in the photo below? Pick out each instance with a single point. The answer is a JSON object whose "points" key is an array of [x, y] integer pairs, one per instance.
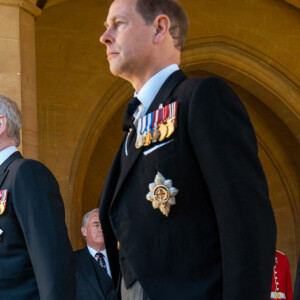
{"points": [[115, 70]]}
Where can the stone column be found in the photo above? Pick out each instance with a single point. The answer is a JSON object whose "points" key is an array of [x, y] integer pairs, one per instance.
{"points": [[17, 65]]}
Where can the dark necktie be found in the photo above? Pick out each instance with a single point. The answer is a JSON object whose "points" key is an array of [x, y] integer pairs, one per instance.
{"points": [[128, 116], [101, 261]]}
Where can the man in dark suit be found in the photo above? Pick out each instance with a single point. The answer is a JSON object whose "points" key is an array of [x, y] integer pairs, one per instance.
{"points": [[36, 257], [186, 198], [92, 271]]}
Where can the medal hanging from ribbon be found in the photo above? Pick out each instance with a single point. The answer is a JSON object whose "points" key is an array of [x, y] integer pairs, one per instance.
{"points": [[140, 139], [3, 198], [157, 125]]}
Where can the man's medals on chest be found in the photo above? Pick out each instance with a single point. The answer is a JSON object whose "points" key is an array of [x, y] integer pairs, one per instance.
{"points": [[3, 197], [156, 126]]}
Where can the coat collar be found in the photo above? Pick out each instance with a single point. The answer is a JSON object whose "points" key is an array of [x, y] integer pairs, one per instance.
{"points": [[164, 94], [87, 265]]}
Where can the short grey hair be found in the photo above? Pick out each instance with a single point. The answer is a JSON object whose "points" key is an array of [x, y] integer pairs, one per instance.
{"points": [[86, 216], [13, 115]]}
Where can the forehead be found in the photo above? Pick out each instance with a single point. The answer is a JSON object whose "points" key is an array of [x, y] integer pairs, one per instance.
{"points": [[94, 217], [121, 8]]}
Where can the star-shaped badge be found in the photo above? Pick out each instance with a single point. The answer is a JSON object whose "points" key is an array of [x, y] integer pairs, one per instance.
{"points": [[162, 194]]}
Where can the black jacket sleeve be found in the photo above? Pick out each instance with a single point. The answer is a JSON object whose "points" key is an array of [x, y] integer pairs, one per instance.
{"points": [[40, 211], [225, 146]]}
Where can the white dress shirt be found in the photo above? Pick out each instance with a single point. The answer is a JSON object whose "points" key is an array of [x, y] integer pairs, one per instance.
{"points": [[148, 92], [93, 253], [6, 153], [150, 89]]}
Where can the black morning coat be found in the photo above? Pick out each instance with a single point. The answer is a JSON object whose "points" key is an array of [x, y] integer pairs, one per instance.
{"points": [[93, 283], [36, 257], [218, 241]]}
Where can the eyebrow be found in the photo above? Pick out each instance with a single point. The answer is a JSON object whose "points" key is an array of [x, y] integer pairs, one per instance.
{"points": [[113, 19]]}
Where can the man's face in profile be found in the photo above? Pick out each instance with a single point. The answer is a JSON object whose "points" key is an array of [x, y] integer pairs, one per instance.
{"points": [[127, 38]]}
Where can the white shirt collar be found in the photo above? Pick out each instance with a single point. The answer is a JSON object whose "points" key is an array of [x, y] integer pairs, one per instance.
{"points": [[6, 153], [93, 251], [150, 89]]}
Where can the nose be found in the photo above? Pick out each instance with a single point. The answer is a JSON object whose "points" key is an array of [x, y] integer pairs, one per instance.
{"points": [[106, 38]]}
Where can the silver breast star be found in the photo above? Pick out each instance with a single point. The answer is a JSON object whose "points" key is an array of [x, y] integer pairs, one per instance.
{"points": [[162, 194]]}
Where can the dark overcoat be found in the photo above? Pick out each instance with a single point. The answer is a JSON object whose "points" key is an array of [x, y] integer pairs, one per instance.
{"points": [[218, 241], [36, 257], [93, 283]]}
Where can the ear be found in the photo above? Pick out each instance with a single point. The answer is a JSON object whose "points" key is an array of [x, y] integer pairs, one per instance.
{"points": [[83, 231], [162, 25], [3, 122]]}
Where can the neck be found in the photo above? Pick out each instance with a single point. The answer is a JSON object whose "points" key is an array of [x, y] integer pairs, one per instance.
{"points": [[7, 143], [139, 80], [97, 247]]}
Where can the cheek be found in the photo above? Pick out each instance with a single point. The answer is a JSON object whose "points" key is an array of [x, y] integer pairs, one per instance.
{"points": [[137, 43]]}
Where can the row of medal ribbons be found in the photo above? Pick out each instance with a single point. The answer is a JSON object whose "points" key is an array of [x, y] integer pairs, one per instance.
{"points": [[157, 125]]}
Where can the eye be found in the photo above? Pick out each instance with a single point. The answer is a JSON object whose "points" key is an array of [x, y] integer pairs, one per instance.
{"points": [[118, 24]]}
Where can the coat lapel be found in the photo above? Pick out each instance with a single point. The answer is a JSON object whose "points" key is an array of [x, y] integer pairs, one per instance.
{"points": [[163, 96], [5, 164], [87, 267], [110, 185]]}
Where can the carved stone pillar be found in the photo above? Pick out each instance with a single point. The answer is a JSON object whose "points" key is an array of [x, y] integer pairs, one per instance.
{"points": [[17, 65]]}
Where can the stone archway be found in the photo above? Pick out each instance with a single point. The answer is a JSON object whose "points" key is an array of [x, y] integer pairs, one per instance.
{"points": [[271, 99], [109, 108]]}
